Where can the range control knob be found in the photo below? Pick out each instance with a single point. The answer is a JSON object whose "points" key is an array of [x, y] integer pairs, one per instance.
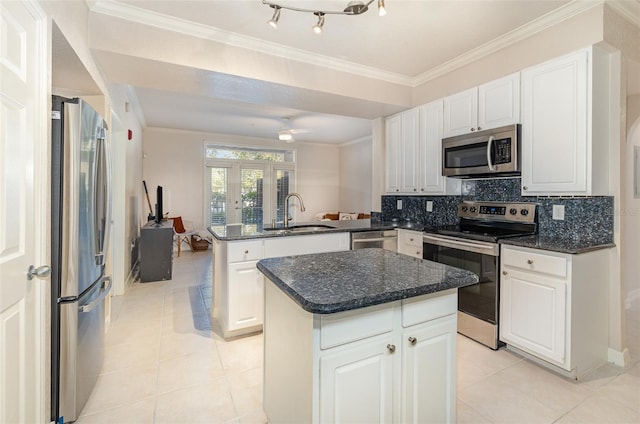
{"points": [[473, 209], [524, 212], [464, 209], [513, 211]]}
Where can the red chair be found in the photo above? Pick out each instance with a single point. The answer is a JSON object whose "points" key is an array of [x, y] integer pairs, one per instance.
{"points": [[181, 234]]}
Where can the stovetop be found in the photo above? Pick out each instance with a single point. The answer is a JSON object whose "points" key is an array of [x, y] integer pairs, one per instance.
{"points": [[492, 221]]}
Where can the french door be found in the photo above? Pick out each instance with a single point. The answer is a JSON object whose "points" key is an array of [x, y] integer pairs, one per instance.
{"points": [[238, 194]]}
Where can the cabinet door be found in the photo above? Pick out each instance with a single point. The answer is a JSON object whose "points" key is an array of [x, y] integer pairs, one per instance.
{"points": [[393, 136], [499, 102], [461, 113], [410, 243], [246, 295], [429, 372], [554, 126], [430, 147], [533, 314], [409, 158], [356, 383]]}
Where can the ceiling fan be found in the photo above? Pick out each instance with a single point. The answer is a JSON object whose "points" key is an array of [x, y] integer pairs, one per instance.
{"points": [[286, 133]]}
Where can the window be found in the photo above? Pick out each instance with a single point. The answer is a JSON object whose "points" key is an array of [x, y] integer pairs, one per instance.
{"points": [[247, 186]]}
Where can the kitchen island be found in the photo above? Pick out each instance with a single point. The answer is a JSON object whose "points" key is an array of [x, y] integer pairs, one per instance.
{"points": [[360, 336]]}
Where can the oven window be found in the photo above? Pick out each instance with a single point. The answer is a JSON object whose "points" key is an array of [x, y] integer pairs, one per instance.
{"points": [[479, 300], [467, 156]]}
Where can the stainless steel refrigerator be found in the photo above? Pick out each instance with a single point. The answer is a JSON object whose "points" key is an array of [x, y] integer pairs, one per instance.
{"points": [[80, 224]]}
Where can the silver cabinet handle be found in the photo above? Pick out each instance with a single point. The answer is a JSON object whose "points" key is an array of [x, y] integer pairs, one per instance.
{"points": [[473, 129], [413, 340], [391, 348], [479, 128], [246, 252], [530, 261], [525, 188], [411, 239], [504, 273], [41, 271]]}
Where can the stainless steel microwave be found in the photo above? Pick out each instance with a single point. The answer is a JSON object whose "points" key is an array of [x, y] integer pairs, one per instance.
{"points": [[491, 152]]}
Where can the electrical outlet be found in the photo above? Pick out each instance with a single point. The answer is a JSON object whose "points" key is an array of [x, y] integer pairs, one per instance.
{"points": [[399, 204], [558, 212], [429, 206]]}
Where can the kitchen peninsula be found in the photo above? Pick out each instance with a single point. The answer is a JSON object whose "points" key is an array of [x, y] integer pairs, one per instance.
{"points": [[360, 336]]}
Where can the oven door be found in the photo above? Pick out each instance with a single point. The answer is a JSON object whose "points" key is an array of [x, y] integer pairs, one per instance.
{"points": [[479, 300]]}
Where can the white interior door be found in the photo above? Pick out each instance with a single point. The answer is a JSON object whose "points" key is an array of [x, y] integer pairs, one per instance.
{"points": [[24, 211]]}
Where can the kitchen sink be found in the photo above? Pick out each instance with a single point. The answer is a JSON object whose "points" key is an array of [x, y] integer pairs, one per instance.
{"points": [[299, 228]]}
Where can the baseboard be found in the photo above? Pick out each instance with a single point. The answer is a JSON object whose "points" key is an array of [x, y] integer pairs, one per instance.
{"points": [[619, 358], [632, 296]]}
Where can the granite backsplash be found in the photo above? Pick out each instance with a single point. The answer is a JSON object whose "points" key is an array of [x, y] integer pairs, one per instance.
{"points": [[587, 218]]}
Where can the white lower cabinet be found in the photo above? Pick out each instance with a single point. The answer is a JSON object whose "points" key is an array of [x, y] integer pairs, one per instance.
{"points": [[387, 363], [239, 286], [410, 243], [246, 296], [554, 307]]}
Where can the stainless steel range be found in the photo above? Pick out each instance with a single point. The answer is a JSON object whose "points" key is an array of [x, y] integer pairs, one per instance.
{"points": [[473, 245]]}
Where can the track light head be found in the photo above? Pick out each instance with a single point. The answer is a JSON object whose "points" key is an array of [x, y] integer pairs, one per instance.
{"points": [[381, 9], [317, 28], [276, 16]]}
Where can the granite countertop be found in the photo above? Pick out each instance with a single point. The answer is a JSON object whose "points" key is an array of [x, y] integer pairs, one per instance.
{"points": [[326, 283], [556, 244], [242, 232]]}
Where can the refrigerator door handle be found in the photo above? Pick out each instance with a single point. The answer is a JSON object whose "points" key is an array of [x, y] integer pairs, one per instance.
{"points": [[104, 291], [102, 198]]}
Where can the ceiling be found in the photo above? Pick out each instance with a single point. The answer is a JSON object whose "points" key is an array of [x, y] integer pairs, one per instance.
{"points": [[407, 45]]}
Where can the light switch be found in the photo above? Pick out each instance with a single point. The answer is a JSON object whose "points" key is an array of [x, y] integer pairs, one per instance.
{"points": [[399, 204], [429, 206], [558, 212]]}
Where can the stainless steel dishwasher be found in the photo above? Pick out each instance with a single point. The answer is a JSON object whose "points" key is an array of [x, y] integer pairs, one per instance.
{"points": [[387, 239]]}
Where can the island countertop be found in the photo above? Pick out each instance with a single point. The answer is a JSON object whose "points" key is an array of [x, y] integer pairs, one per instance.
{"points": [[326, 283]]}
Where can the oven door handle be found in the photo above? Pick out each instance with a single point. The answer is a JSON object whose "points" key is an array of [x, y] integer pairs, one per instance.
{"points": [[489, 147], [364, 240], [477, 247]]}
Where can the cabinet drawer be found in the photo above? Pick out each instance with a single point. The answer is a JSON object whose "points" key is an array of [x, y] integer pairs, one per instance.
{"points": [[244, 251], [349, 326], [538, 262], [425, 308], [411, 238]]}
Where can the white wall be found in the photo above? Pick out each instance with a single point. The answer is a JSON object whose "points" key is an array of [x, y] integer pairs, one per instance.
{"points": [[355, 176], [174, 159]]}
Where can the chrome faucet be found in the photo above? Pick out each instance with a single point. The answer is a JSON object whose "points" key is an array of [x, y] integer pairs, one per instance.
{"points": [[286, 207]]}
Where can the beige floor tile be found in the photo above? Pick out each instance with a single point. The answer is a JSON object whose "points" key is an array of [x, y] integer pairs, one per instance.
{"points": [[209, 403], [476, 362], [138, 354], [189, 370], [501, 402], [624, 389], [467, 415], [122, 333], [600, 409], [120, 388], [255, 417], [246, 390], [242, 354], [557, 393], [136, 413], [602, 376], [181, 344]]}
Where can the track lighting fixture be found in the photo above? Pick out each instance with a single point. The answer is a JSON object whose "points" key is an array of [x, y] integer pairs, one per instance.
{"points": [[356, 7], [276, 16], [317, 28]]}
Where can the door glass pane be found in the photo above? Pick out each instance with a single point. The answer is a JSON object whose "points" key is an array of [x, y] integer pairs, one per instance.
{"points": [[252, 195], [282, 190], [218, 197]]}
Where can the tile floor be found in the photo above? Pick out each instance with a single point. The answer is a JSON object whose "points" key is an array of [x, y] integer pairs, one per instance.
{"points": [[164, 364]]}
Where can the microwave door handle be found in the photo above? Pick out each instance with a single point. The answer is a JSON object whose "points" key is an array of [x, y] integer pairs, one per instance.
{"points": [[489, 148]]}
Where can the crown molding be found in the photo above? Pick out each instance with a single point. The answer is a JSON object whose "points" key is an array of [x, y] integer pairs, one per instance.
{"points": [[628, 9], [366, 138], [550, 19], [158, 20]]}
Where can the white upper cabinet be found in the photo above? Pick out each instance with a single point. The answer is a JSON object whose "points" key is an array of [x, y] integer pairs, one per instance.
{"points": [[414, 156], [491, 105], [393, 137], [565, 125]]}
